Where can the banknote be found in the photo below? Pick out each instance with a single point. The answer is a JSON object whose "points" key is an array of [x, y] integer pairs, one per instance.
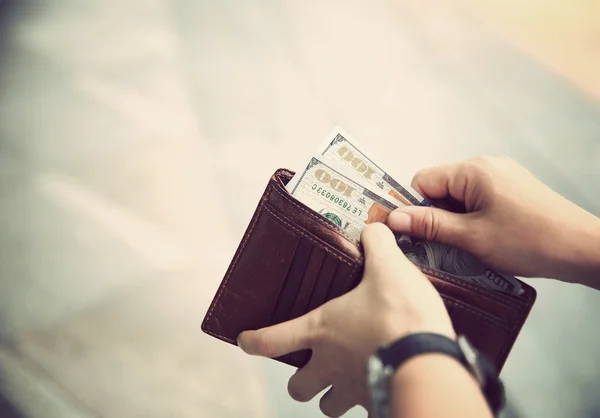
{"points": [[346, 153], [345, 186], [335, 196], [459, 263]]}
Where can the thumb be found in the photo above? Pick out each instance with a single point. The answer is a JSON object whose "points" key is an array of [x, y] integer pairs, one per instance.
{"points": [[432, 224], [383, 258]]}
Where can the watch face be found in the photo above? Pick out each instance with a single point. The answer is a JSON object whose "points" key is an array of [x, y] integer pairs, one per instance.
{"points": [[375, 370], [379, 376]]}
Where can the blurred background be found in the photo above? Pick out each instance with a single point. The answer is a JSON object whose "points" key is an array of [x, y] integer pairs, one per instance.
{"points": [[136, 138]]}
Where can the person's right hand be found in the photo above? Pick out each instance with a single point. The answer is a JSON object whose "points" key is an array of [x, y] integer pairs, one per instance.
{"points": [[514, 223]]}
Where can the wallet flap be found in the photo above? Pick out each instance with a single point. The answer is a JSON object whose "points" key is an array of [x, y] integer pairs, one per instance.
{"points": [[280, 199]]}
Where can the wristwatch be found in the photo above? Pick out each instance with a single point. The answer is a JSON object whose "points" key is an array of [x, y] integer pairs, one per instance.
{"points": [[383, 364]]}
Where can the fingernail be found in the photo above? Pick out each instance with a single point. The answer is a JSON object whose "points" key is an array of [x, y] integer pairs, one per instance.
{"points": [[399, 221]]}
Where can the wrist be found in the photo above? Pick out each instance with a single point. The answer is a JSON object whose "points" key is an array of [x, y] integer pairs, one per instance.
{"points": [[434, 365], [579, 255], [393, 330], [431, 316], [436, 375]]}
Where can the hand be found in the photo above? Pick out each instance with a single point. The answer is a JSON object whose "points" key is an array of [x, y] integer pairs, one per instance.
{"points": [[393, 299], [514, 223]]}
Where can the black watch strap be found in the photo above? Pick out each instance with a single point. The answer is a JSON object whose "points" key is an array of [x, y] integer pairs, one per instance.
{"points": [[398, 352]]}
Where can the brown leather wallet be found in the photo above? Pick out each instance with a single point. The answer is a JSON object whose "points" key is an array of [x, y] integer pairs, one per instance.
{"points": [[292, 260]]}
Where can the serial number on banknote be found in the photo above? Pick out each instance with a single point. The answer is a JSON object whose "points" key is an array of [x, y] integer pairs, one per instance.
{"points": [[335, 199]]}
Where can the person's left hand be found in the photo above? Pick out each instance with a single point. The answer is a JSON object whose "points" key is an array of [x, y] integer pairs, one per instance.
{"points": [[394, 299]]}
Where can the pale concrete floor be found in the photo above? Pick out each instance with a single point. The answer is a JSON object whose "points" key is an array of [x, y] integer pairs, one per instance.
{"points": [[136, 138]]}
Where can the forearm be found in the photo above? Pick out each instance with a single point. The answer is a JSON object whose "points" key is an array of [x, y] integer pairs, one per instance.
{"points": [[435, 385], [579, 255]]}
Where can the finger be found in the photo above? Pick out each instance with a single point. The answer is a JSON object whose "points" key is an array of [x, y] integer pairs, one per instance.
{"points": [[443, 181], [381, 250], [335, 403], [308, 381], [378, 240], [433, 182], [433, 224], [280, 339]]}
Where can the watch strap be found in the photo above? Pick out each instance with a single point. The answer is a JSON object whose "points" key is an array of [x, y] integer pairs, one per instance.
{"points": [[400, 351]]}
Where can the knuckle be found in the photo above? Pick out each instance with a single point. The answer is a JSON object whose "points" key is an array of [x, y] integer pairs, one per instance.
{"points": [[485, 160], [430, 224], [506, 159], [476, 170], [418, 175], [474, 166], [265, 345], [508, 163], [316, 323], [375, 230], [489, 161]]}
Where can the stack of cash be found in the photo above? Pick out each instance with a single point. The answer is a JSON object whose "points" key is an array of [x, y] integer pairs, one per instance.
{"points": [[345, 186]]}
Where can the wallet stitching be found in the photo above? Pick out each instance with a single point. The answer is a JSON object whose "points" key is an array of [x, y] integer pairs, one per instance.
{"points": [[513, 330], [313, 215], [440, 275], [508, 341], [503, 354], [225, 282], [478, 289], [309, 237], [220, 336], [486, 317]]}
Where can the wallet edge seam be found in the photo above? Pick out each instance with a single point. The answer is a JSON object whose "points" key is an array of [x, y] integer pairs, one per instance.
{"points": [[225, 283], [313, 215]]}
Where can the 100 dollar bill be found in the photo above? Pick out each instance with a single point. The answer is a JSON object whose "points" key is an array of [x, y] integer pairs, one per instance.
{"points": [[442, 257], [344, 202], [353, 199], [344, 151]]}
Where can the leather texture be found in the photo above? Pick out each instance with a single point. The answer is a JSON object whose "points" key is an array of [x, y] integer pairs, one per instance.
{"points": [[292, 260]]}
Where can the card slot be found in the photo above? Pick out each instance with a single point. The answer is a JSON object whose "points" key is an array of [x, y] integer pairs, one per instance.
{"points": [[339, 284], [293, 282], [332, 250], [285, 194], [332, 258], [321, 288], [282, 202], [308, 282]]}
